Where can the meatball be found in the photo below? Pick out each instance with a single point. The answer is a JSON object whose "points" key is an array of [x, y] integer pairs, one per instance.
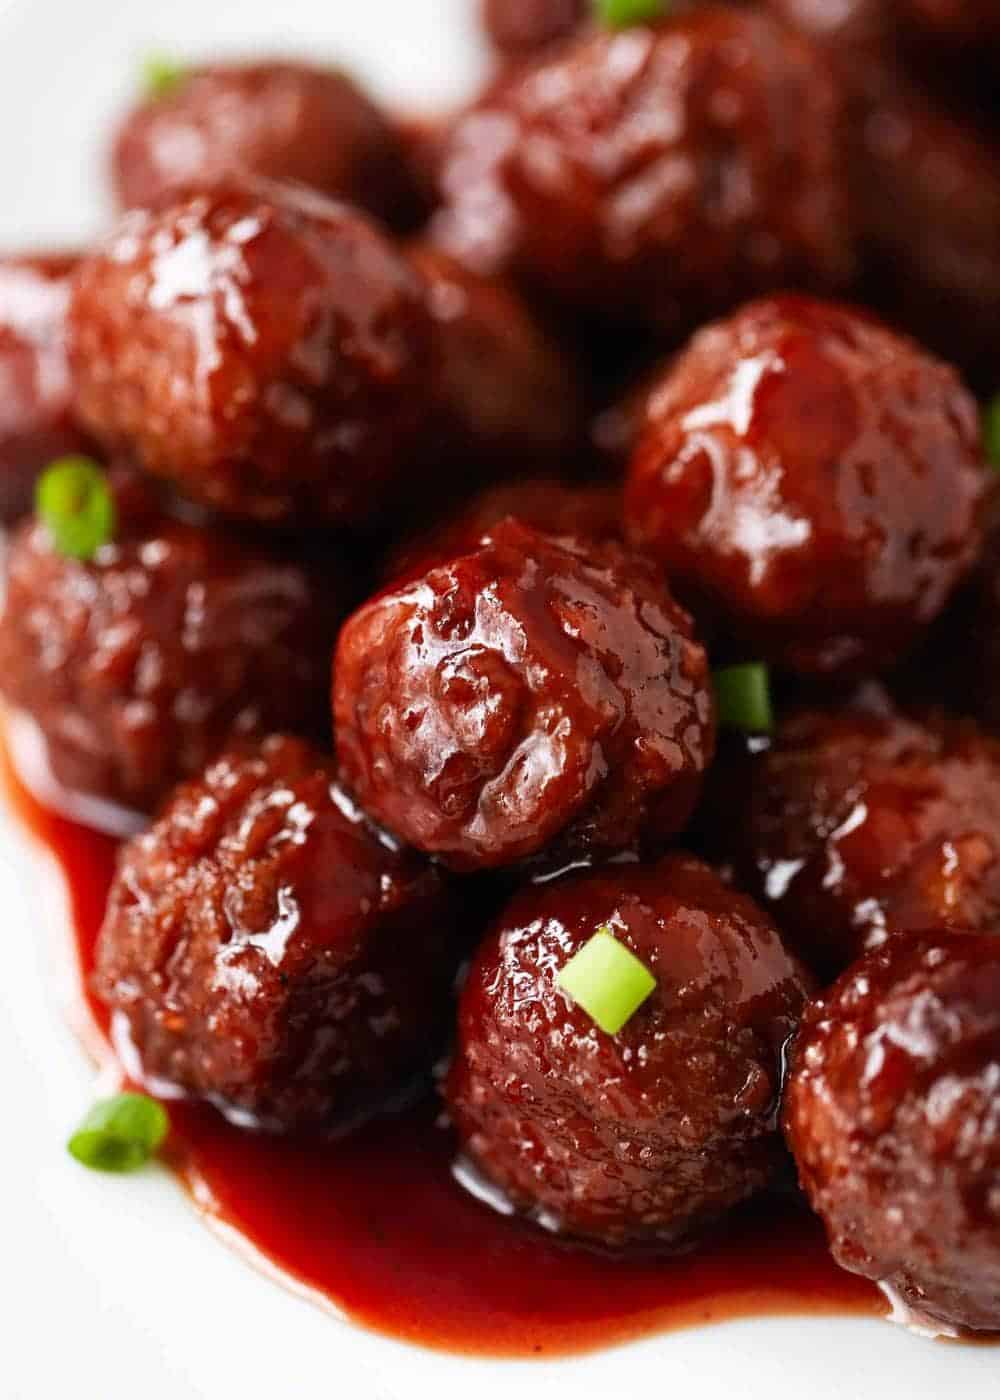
{"points": [[267, 949], [893, 1114], [266, 350], [529, 692], [921, 160], [812, 480], [655, 174], [138, 665], [859, 823], [519, 27], [920, 167], [284, 121], [656, 1131], [591, 512], [36, 418], [508, 394]]}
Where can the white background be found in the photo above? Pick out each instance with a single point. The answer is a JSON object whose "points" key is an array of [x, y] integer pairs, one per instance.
{"points": [[113, 1289]]}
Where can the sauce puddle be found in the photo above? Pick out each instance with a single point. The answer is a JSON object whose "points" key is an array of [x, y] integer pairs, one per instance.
{"points": [[377, 1225]]}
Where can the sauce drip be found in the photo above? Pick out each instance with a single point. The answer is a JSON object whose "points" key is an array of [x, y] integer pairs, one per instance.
{"points": [[377, 1225]]}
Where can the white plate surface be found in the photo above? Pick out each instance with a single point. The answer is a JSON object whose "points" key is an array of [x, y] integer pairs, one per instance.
{"points": [[114, 1289]]}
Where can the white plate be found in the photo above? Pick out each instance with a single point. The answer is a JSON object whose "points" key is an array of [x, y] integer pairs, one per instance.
{"points": [[114, 1290]]}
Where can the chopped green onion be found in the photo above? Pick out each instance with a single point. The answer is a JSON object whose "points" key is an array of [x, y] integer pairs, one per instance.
{"points": [[74, 501], [619, 14], [161, 76], [606, 980], [743, 694], [120, 1134], [991, 432]]}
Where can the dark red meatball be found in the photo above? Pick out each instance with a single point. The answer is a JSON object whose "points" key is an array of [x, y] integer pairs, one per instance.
{"points": [[530, 692], [284, 121], [139, 665], [508, 394], [653, 1132], [925, 171], [36, 419], [267, 949], [893, 1114], [928, 195], [858, 823], [655, 174], [266, 350], [813, 480], [592, 512], [518, 27]]}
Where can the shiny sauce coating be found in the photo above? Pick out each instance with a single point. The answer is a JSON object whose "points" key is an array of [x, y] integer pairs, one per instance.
{"points": [[378, 1226]]}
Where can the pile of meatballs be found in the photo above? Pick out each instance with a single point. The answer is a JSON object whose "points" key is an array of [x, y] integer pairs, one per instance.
{"points": [[661, 356]]}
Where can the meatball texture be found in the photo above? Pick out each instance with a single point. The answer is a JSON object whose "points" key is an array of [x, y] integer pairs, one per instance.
{"points": [[284, 121], [591, 512], [813, 481], [654, 1132], [519, 27], [893, 1114], [655, 174], [530, 692], [267, 949], [266, 350], [138, 665], [36, 397], [860, 823], [508, 395]]}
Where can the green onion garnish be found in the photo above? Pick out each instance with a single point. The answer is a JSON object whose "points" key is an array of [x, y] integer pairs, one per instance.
{"points": [[74, 500], [161, 75], [607, 980], [120, 1134], [743, 694], [991, 432], [619, 14]]}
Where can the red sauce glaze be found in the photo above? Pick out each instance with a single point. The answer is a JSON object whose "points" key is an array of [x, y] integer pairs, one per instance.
{"points": [[377, 1226]]}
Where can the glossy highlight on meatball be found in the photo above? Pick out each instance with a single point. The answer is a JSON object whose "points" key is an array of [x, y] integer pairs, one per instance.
{"points": [[36, 392], [530, 692], [655, 174], [860, 823], [652, 1133], [283, 121], [893, 1114], [267, 351], [811, 480], [267, 949], [138, 665]]}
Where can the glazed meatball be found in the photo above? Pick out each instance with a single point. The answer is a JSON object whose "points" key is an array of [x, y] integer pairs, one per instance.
{"points": [[530, 692], [36, 417], [811, 480], [138, 665], [284, 121], [265, 350], [583, 512], [653, 1132], [267, 949], [655, 174], [925, 175], [519, 27], [861, 822], [893, 1114], [508, 394]]}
